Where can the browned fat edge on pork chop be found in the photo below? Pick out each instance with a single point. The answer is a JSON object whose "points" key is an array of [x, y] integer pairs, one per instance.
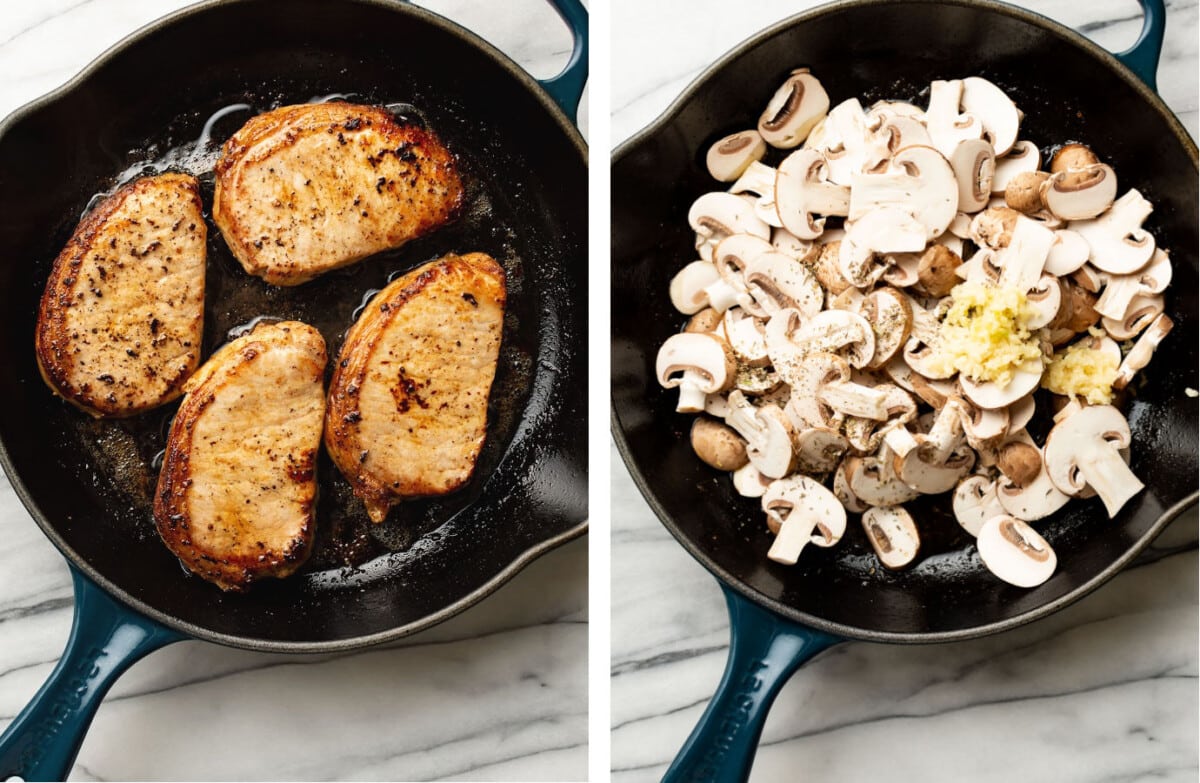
{"points": [[305, 189], [122, 315], [235, 498], [408, 402]]}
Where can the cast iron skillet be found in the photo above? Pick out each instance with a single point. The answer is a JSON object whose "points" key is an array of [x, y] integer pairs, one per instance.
{"points": [[88, 485], [1070, 90]]}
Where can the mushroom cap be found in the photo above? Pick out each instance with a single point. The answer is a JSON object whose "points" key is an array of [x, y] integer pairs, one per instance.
{"points": [[1072, 156], [795, 108], [974, 164], [1080, 194], [728, 157], [947, 124], [720, 214], [1014, 551], [937, 270], [778, 282], [1000, 117], [975, 502], [918, 180], [890, 317], [802, 191], [883, 230], [749, 483], [1024, 192], [696, 359], [801, 511], [990, 394], [1142, 311], [688, 284], [1117, 241], [1090, 428], [717, 445], [1022, 158], [1120, 290], [893, 535]]}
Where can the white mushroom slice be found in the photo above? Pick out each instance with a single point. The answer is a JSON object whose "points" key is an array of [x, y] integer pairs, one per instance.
{"points": [[1088, 278], [1080, 194], [983, 267], [770, 436], [778, 282], [699, 364], [730, 156], [890, 317], [706, 244], [985, 428], [1121, 290], [919, 181], [992, 395], [992, 228], [854, 399], [716, 405], [836, 331], [795, 108], [893, 535], [945, 434], [819, 450], [1023, 260], [800, 511], [894, 133], [1044, 300], [1118, 243], [756, 381], [919, 356], [1014, 552], [975, 502], [1000, 117], [897, 109], [850, 300], [802, 192], [758, 180], [845, 140], [1038, 499], [749, 483], [1023, 158], [901, 269], [930, 478], [687, 287], [1139, 355], [786, 242], [934, 392], [947, 124], [841, 490], [974, 165], [960, 227], [1142, 311], [718, 214], [717, 445], [1068, 253], [820, 381], [745, 337], [731, 257], [885, 230], [1020, 413], [900, 373], [866, 435], [1084, 451], [874, 482]]}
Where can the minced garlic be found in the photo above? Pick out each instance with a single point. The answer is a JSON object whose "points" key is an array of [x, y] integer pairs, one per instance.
{"points": [[985, 335], [1081, 371]]}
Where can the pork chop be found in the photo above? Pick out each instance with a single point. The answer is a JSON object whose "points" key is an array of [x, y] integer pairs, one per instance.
{"points": [[407, 411], [122, 316], [305, 189], [235, 499]]}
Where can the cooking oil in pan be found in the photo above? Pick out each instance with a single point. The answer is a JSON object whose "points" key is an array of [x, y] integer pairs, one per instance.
{"points": [[125, 455]]}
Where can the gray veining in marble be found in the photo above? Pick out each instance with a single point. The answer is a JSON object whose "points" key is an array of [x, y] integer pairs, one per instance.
{"points": [[497, 693], [1105, 690]]}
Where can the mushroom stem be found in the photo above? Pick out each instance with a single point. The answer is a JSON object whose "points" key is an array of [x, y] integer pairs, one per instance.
{"points": [[1107, 473], [855, 400], [691, 393], [791, 539]]}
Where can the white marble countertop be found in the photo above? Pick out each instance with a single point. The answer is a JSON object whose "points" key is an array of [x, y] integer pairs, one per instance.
{"points": [[1105, 690], [497, 693]]}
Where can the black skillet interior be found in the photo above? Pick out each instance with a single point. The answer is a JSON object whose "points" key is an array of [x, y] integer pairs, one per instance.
{"points": [[526, 177], [875, 51]]}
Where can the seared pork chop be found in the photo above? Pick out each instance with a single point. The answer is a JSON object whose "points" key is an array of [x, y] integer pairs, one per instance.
{"points": [[408, 401], [122, 315], [235, 499], [305, 189]]}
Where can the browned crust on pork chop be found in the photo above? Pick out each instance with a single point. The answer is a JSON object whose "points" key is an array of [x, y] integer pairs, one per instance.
{"points": [[305, 189], [122, 315], [235, 498], [407, 413]]}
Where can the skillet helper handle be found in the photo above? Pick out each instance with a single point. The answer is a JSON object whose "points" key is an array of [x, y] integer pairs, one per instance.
{"points": [[764, 651], [567, 87], [1142, 57], [106, 639]]}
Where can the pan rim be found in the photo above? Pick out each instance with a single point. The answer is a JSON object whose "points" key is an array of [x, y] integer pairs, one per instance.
{"points": [[618, 432], [76, 561]]}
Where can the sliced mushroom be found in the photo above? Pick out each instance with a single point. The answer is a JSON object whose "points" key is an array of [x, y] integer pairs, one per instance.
{"points": [[819, 450], [730, 156], [1118, 243], [934, 392], [1076, 314], [802, 192], [745, 337], [788, 243], [1020, 413], [1037, 499], [984, 429], [1024, 192], [1023, 260], [1068, 253], [936, 272], [718, 446], [1014, 552], [716, 405], [1023, 158], [945, 434], [1080, 194], [1139, 355], [758, 183], [820, 383], [769, 435], [1044, 300], [865, 435], [901, 269], [999, 115], [884, 230], [731, 256], [930, 478], [699, 364], [890, 316], [687, 287], [841, 490], [756, 381], [800, 511], [893, 535], [836, 331], [920, 357], [845, 140], [797, 106], [1141, 313], [975, 502], [1121, 290], [718, 214], [778, 282], [749, 482], [874, 482], [919, 181], [828, 269], [974, 164], [947, 124], [1083, 451]]}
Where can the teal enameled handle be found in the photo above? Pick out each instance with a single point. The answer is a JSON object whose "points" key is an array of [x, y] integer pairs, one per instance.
{"points": [[567, 87], [106, 638], [1142, 57], [764, 651]]}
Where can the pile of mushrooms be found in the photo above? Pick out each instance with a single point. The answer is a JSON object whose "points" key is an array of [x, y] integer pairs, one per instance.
{"points": [[819, 291]]}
